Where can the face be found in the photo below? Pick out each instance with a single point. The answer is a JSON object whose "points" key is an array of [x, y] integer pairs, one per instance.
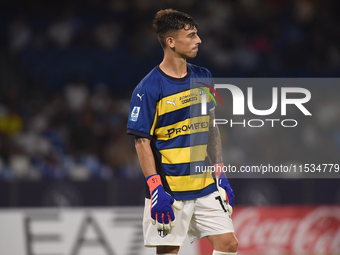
{"points": [[185, 43]]}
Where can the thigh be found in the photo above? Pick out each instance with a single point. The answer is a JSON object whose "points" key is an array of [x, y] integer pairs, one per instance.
{"points": [[177, 234], [211, 217]]}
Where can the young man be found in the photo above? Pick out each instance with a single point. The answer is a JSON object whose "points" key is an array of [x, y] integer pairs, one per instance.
{"points": [[171, 136]]}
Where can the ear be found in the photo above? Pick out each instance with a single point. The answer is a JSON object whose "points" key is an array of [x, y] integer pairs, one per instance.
{"points": [[170, 42]]}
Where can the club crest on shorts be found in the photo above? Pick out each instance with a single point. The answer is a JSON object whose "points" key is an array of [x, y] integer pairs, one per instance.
{"points": [[163, 233], [135, 113]]}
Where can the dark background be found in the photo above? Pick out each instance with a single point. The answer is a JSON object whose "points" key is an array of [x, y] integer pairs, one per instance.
{"points": [[67, 70]]}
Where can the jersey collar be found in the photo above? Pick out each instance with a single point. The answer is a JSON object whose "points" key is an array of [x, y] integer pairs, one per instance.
{"points": [[173, 78]]}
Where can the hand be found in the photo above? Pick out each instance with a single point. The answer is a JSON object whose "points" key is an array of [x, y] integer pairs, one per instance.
{"points": [[161, 210], [223, 187]]}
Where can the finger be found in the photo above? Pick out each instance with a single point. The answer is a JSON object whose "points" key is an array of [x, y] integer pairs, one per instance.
{"points": [[166, 227], [159, 218], [177, 205], [160, 226], [222, 193], [226, 194], [230, 209], [153, 220], [171, 216], [172, 219], [165, 218], [231, 203], [154, 215]]}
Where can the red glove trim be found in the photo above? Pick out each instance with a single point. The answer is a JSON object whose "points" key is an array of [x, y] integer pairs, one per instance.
{"points": [[154, 182]]}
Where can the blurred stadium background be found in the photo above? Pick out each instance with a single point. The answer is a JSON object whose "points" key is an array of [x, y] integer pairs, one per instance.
{"points": [[67, 70]]}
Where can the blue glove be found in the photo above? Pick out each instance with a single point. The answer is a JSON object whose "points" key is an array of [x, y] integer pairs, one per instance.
{"points": [[224, 188], [161, 210]]}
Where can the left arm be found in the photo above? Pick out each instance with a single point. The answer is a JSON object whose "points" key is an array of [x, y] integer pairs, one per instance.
{"points": [[214, 149], [214, 141]]}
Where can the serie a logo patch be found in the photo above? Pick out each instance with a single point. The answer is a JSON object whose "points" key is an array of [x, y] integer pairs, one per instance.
{"points": [[134, 113]]}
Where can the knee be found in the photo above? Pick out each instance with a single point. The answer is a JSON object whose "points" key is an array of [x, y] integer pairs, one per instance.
{"points": [[233, 245], [229, 245]]}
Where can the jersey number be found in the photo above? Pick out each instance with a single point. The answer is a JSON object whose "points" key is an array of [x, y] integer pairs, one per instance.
{"points": [[221, 202]]}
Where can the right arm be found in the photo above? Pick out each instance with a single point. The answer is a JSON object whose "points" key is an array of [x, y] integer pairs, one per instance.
{"points": [[143, 109], [160, 212], [145, 156]]}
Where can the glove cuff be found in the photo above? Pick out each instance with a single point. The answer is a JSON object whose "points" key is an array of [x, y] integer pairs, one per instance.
{"points": [[218, 167], [153, 182]]}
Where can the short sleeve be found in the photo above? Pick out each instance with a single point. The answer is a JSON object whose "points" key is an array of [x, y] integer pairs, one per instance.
{"points": [[210, 100], [143, 112]]}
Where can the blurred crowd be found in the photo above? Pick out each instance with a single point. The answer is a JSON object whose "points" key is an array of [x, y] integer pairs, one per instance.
{"points": [[75, 64], [76, 134]]}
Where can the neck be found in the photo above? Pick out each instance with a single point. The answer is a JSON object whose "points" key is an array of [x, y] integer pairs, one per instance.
{"points": [[174, 66]]}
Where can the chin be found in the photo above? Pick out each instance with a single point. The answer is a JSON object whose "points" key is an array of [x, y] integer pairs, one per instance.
{"points": [[192, 55]]}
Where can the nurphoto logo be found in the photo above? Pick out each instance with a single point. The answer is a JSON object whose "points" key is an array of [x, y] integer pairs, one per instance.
{"points": [[239, 105]]}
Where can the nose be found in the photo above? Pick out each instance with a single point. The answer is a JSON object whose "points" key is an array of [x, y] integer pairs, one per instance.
{"points": [[199, 41]]}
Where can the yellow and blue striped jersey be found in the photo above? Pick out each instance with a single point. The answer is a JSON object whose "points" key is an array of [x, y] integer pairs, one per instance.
{"points": [[168, 112]]}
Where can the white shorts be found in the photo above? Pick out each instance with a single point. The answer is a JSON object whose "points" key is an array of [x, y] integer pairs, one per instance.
{"points": [[200, 217]]}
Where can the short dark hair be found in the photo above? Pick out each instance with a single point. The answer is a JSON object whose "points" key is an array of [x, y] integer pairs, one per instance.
{"points": [[169, 21]]}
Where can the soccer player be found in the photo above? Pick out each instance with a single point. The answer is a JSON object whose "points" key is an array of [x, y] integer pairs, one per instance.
{"points": [[172, 136]]}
